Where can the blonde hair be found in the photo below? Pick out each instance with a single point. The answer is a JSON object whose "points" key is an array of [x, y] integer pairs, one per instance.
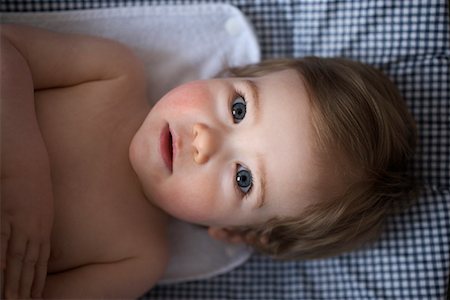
{"points": [[358, 113]]}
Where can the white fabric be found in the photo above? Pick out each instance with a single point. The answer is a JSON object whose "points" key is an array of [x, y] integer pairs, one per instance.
{"points": [[177, 44]]}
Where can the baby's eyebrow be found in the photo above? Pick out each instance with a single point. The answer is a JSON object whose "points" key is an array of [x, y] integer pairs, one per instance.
{"points": [[260, 173], [261, 182], [252, 87]]}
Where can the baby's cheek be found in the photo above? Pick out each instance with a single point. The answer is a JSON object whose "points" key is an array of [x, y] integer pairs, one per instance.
{"points": [[190, 96], [191, 201]]}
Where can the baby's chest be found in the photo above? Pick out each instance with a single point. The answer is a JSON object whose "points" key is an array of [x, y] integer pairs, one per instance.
{"points": [[100, 212]]}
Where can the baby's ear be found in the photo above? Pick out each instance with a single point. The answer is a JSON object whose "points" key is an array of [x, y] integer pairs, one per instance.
{"points": [[235, 237], [226, 235]]}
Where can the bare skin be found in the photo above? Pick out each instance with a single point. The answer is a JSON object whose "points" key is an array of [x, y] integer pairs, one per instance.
{"points": [[106, 238]]}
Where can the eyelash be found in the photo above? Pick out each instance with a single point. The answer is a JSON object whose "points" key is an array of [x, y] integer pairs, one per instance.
{"points": [[237, 93], [238, 168], [240, 94]]}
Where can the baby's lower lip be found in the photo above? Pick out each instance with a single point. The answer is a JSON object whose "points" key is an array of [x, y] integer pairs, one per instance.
{"points": [[165, 147]]}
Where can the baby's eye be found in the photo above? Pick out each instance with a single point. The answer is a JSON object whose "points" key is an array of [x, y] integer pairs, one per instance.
{"points": [[244, 179], [238, 109]]}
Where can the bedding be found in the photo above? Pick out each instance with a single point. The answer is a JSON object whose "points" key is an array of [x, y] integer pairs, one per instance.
{"points": [[410, 41]]}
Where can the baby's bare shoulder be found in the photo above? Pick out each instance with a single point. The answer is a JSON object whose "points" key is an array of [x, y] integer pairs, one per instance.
{"points": [[59, 60], [145, 232], [131, 259], [128, 277], [146, 241], [135, 227]]}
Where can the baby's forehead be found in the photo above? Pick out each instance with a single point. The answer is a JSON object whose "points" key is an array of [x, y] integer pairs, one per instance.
{"points": [[291, 194], [285, 141]]}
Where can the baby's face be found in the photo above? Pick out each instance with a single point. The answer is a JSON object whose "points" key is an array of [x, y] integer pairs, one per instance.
{"points": [[229, 152]]}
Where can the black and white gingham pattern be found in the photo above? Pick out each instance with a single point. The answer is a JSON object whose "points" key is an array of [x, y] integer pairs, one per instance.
{"points": [[410, 41]]}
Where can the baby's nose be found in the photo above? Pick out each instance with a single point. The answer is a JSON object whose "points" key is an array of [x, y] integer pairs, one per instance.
{"points": [[204, 144]]}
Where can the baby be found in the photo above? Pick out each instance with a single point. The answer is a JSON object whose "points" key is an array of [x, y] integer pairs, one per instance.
{"points": [[300, 158]]}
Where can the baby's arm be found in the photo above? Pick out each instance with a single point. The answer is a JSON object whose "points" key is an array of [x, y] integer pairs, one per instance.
{"points": [[26, 189]]}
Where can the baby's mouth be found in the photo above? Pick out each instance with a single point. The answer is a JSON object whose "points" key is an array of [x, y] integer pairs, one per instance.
{"points": [[166, 147]]}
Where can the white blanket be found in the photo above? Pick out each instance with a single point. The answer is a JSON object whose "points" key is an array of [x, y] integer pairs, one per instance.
{"points": [[177, 43]]}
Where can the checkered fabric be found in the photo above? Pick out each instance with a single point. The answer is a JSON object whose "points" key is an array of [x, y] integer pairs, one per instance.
{"points": [[410, 41]]}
